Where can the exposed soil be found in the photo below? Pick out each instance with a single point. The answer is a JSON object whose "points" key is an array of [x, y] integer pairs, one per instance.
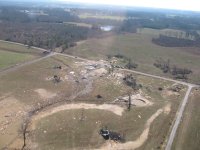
{"points": [[136, 100], [44, 94]]}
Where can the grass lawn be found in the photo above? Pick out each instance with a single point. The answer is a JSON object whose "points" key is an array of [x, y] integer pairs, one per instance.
{"points": [[188, 134]]}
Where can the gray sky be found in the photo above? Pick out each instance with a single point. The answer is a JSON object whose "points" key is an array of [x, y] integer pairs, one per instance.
{"points": [[172, 4]]}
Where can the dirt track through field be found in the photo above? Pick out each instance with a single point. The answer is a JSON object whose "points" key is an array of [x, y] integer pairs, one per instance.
{"points": [[108, 107], [139, 141]]}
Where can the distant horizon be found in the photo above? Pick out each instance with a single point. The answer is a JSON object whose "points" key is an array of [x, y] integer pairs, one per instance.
{"points": [[187, 5], [181, 5]]}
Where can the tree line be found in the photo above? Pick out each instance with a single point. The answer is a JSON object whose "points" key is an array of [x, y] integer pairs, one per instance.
{"points": [[176, 72], [167, 41]]}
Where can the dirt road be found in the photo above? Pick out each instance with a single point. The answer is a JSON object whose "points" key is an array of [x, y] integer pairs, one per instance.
{"points": [[108, 107]]}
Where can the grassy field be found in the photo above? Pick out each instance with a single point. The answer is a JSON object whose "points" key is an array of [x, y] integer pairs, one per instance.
{"points": [[167, 32], [87, 15], [34, 87], [188, 134], [140, 48], [12, 54], [18, 48], [10, 58], [79, 24], [36, 76], [26, 89], [72, 133]]}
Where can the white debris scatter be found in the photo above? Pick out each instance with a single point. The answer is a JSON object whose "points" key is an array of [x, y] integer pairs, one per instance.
{"points": [[72, 72], [136, 100]]}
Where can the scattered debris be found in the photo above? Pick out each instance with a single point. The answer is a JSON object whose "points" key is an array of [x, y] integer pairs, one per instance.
{"points": [[176, 88], [56, 79], [57, 67], [129, 80], [135, 100], [99, 96], [106, 134]]}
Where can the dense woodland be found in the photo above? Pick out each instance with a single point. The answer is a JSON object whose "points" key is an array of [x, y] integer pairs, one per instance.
{"points": [[167, 41], [42, 28], [45, 27], [43, 34]]}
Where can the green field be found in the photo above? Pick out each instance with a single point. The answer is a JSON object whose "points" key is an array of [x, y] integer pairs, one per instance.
{"points": [[20, 48], [88, 15], [13, 54], [140, 48], [79, 24], [9, 58], [166, 32], [188, 134]]}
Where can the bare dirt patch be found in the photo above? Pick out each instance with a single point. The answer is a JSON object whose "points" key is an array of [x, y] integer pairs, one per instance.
{"points": [[167, 108], [136, 100], [45, 94]]}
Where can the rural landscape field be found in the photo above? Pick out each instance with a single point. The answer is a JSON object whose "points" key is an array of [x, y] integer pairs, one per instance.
{"points": [[76, 77]]}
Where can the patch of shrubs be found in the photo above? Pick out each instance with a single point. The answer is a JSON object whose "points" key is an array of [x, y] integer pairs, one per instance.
{"points": [[129, 80]]}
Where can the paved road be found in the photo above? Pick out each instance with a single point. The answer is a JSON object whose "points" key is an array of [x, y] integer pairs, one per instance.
{"points": [[178, 119], [159, 77]]}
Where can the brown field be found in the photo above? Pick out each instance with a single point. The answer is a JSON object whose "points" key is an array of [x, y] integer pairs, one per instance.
{"points": [[34, 89]]}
